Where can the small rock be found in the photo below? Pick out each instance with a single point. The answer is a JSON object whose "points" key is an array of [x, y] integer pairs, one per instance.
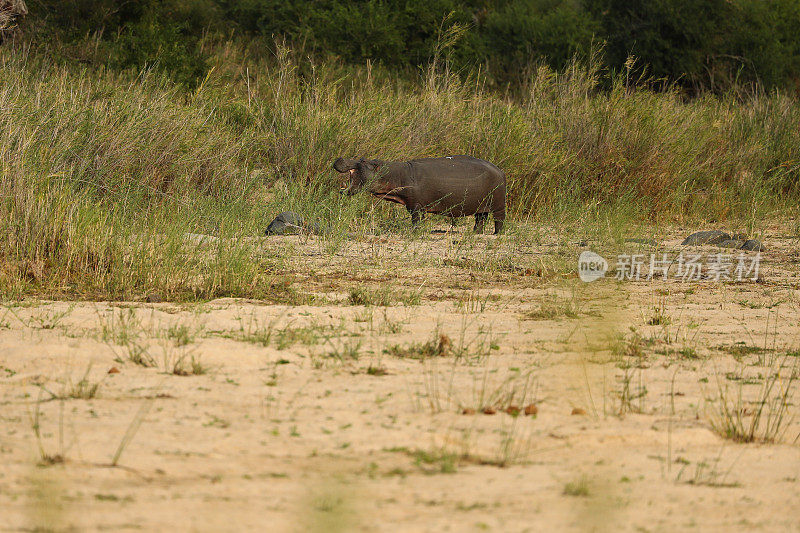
{"points": [[513, 410], [286, 223], [730, 243], [113, 370], [468, 411], [753, 245], [706, 237], [578, 411], [488, 410], [153, 298], [290, 223], [531, 410]]}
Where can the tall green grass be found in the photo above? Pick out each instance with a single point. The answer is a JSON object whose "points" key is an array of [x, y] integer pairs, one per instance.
{"points": [[102, 173]]}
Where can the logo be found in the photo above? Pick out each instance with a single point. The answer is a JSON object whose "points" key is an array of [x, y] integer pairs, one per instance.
{"points": [[591, 266]]}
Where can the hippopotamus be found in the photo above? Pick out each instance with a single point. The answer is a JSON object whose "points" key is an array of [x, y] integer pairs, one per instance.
{"points": [[455, 186]]}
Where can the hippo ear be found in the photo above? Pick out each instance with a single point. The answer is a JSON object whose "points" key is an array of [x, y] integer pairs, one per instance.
{"points": [[343, 165]]}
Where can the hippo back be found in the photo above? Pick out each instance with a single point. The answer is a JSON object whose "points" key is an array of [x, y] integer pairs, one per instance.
{"points": [[458, 185]]}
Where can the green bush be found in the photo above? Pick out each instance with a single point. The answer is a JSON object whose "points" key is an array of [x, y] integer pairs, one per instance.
{"points": [[699, 45], [525, 31], [703, 44], [149, 43]]}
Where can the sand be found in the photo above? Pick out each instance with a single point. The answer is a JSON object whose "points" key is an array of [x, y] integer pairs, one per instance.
{"points": [[333, 416]]}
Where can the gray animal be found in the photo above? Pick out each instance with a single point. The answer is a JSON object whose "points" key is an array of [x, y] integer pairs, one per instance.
{"points": [[455, 186], [290, 223], [723, 240], [713, 236]]}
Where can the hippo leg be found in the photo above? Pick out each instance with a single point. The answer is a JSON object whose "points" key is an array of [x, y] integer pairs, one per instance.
{"points": [[499, 218], [480, 222]]}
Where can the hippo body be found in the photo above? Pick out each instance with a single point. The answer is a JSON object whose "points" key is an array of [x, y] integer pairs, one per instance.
{"points": [[455, 186]]}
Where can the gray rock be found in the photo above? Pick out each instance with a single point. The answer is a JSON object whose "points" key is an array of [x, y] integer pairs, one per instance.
{"points": [[290, 223], [730, 243], [753, 246], [714, 236]]}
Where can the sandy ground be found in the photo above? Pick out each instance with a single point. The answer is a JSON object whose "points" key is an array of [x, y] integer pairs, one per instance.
{"points": [[334, 416]]}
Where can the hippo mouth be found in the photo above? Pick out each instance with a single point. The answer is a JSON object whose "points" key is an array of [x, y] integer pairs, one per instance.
{"points": [[351, 187], [388, 193], [389, 198]]}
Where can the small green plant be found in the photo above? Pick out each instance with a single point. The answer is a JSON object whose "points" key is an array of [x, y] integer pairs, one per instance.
{"points": [[341, 350], [138, 354], [554, 309], [631, 345], [687, 352], [660, 316], [436, 461], [306, 335], [473, 302], [131, 431], [48, 318], [364, 316], [186, 365], [440, 345], [762, 419], [578, 488], [46, 458], [181, 334], [705, 473], [376, 370], [630, 395], [217, 422], [382, 296], [390, 326], [741, 349], [83, 389], [123, 327], [760, 305], [255, 331], [512, 449]]}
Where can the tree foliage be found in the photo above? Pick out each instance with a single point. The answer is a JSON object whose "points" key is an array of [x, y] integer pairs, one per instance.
{"points": [[699, 45]]}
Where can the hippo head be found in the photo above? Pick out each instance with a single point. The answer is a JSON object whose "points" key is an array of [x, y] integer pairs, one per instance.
{"points": [[361, 172]]}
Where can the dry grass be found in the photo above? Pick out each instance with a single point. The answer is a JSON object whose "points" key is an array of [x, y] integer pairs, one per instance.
{"points": [[763, 417], [102, 174]]}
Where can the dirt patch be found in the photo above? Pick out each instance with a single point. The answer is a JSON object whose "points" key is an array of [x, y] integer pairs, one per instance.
{"points": [[614, 404]]}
